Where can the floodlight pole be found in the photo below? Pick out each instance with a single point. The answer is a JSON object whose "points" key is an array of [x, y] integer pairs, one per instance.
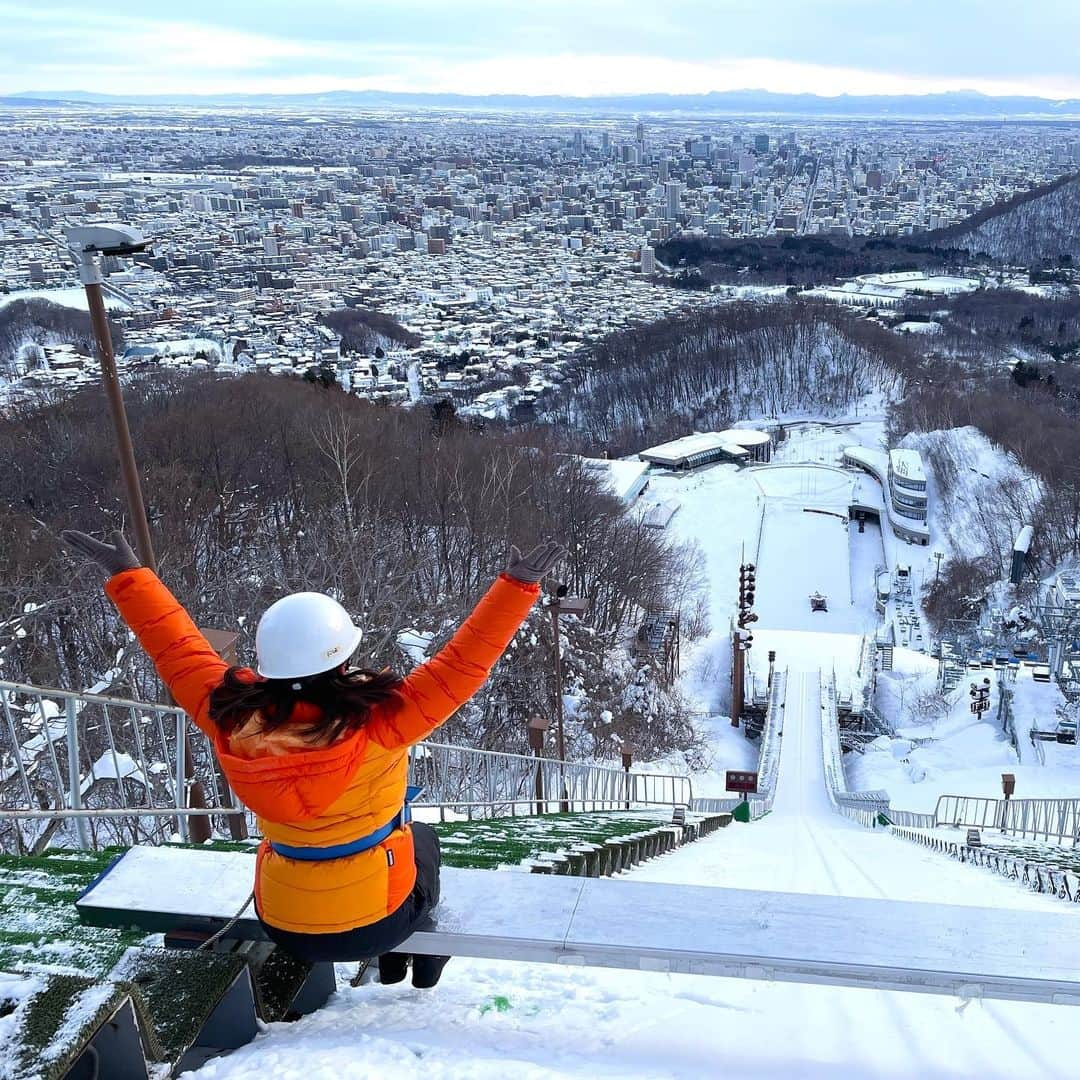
{"points": [[199, 827], [90, 276]]}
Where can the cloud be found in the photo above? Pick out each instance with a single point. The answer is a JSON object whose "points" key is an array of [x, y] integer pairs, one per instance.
{"points": [[564, 46]]}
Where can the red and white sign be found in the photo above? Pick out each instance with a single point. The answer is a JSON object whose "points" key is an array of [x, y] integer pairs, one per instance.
{"points": [[742, 781]]}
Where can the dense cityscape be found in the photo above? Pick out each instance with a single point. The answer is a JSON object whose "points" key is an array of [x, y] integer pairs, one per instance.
{"points": [[501, 244]]}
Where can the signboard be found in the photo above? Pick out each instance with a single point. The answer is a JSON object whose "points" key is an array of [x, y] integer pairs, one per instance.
{"points": [[745, 782], [980, 706]]}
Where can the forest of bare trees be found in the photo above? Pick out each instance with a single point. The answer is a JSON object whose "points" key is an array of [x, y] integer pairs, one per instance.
{"points": [[258, 486], [27, 322], [707, 368], [1029, 424], [363, 330], [1032, 228]]}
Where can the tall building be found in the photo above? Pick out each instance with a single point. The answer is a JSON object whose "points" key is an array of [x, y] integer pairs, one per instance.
{"points": [[648, 261], [673, 191]]}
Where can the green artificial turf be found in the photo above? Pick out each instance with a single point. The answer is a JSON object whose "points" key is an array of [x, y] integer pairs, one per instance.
{"points": [[40, 930], [495, 842]]}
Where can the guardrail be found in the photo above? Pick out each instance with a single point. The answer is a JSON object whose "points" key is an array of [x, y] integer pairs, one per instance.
{"points": [[768, 759], [1039, 819], [862, 806], [461, 779], [91, 770], [910, 819]]}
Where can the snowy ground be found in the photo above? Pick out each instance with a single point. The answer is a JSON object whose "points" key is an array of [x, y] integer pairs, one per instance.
{"points": [[502, 1020], [529, 1021], [74, 298], [953, 752]]}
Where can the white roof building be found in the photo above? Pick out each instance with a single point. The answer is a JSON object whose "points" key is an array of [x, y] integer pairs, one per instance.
{"points": [[907, 464]]}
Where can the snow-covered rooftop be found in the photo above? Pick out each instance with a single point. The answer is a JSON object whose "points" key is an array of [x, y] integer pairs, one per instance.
{"points": [[678, 451], [907, 464]]}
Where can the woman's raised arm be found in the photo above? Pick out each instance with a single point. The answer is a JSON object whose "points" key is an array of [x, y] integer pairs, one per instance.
{"points": [[185, 660]]}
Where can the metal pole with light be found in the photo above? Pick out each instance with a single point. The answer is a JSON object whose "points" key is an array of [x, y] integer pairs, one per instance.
{"points": [[558, 603], [742, 640], [627, 761], [87, 243]]}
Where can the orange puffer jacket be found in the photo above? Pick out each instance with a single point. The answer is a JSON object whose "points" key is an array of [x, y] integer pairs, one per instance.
{"points": [[320, 796]]}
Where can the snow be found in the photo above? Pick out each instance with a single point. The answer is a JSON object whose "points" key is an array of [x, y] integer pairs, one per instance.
{"points": [[112, 766], [624, 479], [15, 991], [73, 298], [918, 328], [415, 644], [81, 1010], [491, 1019], [958, 753]]}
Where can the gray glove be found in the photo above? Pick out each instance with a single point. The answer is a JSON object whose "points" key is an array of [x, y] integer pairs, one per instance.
{"points": [[112, 558], [532, 567]]}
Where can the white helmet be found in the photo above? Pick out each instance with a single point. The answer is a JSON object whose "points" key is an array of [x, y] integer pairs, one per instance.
{"points": [[304, 634]]}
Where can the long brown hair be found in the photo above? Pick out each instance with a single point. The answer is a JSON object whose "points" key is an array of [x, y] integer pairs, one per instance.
{"points": [[342, 697]]}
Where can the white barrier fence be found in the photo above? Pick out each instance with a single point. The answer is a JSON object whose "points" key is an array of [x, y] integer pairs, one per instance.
{"points": [[90, 770], [862, 806], [1038, 819], [768, 759]]}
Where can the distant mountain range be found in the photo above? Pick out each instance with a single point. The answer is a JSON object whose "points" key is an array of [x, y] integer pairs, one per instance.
{"points": [[953, 105]]}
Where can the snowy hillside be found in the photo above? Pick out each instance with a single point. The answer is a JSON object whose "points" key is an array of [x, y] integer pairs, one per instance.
{"points": [[1027, 231]]}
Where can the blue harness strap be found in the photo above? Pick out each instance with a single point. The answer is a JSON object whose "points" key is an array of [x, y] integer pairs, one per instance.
{"points": [[352, 847]]}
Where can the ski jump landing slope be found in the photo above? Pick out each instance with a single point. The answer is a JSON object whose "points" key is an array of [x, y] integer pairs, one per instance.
{"points": [[493, 1020]]}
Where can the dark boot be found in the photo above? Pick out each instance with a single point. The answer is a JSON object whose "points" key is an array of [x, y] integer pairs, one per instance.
{"points": [[392, 967], [426, 970]]}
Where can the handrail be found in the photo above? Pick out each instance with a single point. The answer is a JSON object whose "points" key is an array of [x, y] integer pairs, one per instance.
{"points": [[1039, 819], [768, 759], [866, 807], [63, 749]]}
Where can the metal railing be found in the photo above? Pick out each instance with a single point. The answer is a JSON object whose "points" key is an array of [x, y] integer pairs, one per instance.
{"points": [[910, 819], [862, 806], [70, 760], [90, 770], [464, 780], [1037, 819], [768, 760]]}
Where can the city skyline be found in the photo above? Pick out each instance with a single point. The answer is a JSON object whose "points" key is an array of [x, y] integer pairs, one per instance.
{"points": [[583, 49]]}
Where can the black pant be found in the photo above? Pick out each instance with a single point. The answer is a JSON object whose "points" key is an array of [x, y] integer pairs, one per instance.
{"points": [[365, 942]]}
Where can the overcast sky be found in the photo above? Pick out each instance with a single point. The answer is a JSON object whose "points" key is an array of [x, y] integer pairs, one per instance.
{"points": [[576, 47]]}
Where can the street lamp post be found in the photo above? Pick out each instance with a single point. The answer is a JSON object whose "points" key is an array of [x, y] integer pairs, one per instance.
{"points": [[559, 603], [627, 761], [87, 243]]}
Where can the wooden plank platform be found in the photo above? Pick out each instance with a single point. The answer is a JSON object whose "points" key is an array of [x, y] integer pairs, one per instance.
{"points": [[789, 937]]}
